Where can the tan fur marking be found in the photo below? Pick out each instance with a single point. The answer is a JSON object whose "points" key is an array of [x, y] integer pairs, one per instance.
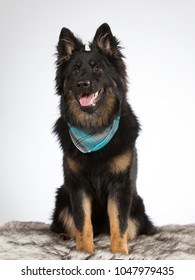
{"points": [[120, 163], [92, 63], [118, 240], [84, 239], [73, 165], [68, 223], [132, 229]]}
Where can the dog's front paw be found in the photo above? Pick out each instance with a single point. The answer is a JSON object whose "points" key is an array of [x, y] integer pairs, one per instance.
{"points": [[85, 247], [84, 243], [119, 245]]}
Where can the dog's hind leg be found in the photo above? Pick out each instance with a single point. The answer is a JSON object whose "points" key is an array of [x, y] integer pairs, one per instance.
{"points": [[140, 220], [62, 221]]}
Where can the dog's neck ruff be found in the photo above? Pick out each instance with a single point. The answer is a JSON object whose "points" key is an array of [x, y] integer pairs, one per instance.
{"points": [[92, 141]]}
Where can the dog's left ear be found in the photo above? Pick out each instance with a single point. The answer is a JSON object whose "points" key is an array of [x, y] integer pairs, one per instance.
{"points": [[109, 45], [105, 41]]}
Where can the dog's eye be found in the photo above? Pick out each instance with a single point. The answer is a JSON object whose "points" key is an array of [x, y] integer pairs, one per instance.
{"points": [[76, 70], [97, 69]]}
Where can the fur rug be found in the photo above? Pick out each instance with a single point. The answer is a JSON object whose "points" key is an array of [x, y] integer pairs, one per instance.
{"points": [[34, 240]]}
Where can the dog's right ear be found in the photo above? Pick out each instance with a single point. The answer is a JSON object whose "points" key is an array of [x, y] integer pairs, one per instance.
{"points": [[66, 47], [67, 44]]}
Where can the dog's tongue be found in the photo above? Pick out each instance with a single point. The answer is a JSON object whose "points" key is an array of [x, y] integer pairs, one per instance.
{"points": [[87, 100]]}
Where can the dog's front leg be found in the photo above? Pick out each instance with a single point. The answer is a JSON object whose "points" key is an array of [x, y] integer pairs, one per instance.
{"points": [[118, 212], [81, 206]]}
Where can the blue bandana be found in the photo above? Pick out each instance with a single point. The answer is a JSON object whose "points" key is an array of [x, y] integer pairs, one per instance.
{"points": [[91, 141]]}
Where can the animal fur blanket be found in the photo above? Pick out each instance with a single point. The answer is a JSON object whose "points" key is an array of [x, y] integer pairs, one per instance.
{"points": [[34, 240]]}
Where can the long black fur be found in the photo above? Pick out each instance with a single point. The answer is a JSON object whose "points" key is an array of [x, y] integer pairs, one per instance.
{"points": [[81, 72]]}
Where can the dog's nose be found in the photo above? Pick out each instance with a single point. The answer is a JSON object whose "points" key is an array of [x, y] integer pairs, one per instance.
{"points": [[83, 84]]}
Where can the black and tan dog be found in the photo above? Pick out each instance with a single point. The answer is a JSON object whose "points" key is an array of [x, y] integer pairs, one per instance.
{"points": [[97, 131]]}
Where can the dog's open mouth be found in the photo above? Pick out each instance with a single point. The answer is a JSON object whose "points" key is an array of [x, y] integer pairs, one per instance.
{"points": [[90, 100]]}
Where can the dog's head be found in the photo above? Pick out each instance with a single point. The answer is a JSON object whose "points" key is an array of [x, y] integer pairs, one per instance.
{"points": [[92, 84]]}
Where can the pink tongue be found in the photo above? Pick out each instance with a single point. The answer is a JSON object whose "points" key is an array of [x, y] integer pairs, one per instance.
{"points": [[86, 100]]}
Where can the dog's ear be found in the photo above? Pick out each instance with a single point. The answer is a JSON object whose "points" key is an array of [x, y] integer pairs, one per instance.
{"points": [[105, 41], [67, 44], [66, 47], [109, 45]]}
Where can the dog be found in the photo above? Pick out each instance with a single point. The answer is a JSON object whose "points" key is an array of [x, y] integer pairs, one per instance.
{"points": [[97, 131]]}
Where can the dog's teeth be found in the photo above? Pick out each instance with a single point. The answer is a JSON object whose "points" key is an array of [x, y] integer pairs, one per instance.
{"points": [[96, 94]]}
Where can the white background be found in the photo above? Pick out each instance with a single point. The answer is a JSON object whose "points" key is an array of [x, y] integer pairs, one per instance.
{"points": [[159, 42], [183, 269]]}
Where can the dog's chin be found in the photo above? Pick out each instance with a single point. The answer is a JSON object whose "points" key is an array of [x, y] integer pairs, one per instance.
{"points": [[88, 109], [89, 102]]}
